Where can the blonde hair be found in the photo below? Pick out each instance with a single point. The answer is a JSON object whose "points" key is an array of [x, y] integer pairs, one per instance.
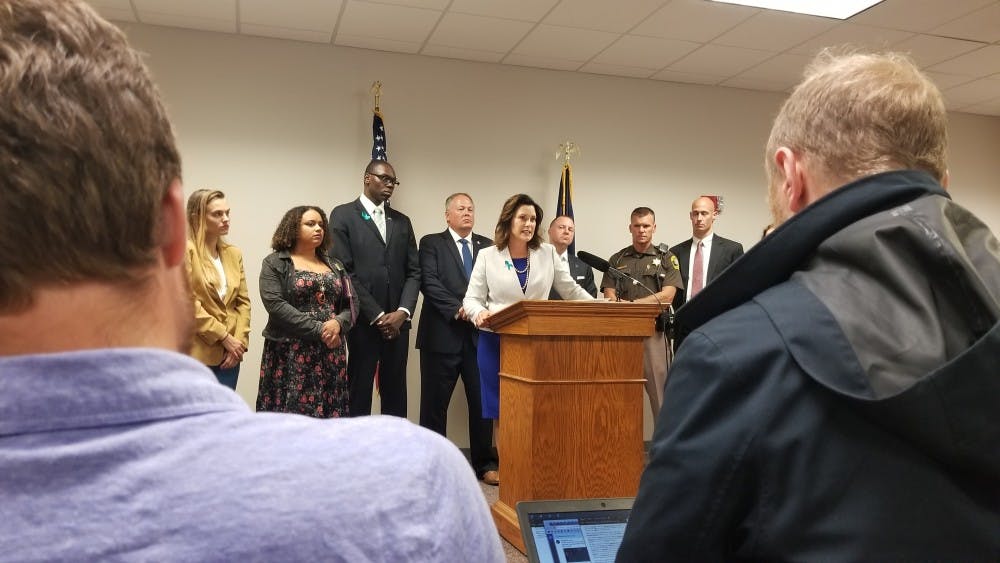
{"points": [[858, 114], [197, 210]]}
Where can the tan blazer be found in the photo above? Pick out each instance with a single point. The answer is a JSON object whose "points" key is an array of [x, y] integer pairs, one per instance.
{"points": [[215, 316]]}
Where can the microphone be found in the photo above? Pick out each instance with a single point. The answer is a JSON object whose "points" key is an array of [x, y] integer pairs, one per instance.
{"points": [[662, 247], [601, 265]]}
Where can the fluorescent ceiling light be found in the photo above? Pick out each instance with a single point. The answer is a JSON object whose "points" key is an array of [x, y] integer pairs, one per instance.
{"points": [[839, 9]]}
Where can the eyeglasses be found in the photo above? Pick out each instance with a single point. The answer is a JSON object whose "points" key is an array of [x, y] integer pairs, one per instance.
{"points": [[386, 179]]}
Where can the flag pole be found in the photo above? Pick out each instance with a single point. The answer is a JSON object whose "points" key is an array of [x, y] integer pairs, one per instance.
{"points": [[377, 91], [564, 202]]}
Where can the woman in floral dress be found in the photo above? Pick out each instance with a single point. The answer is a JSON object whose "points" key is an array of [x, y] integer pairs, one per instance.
{"points": [[310, 306]]}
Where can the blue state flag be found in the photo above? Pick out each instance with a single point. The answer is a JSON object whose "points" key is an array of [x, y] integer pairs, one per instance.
{"points": [[378, 137], [564, 206]]}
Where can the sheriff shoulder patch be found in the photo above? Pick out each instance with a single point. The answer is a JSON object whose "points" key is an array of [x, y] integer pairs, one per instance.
{"points": [[675, 263]]}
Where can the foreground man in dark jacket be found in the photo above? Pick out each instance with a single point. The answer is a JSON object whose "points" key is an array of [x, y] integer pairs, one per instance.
{"points": [[837, 398]]}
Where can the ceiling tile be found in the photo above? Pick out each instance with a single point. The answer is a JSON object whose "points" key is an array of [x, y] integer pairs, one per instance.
{"points": [[785, 70], [616, 70], [693, 20], [116, 14], [541, 62], [645, 52], [112, 4], [286, 33], [618, 16], [975, 92], [687, 77], [863, 37], [189, 22], [981, 25], [929, 50], [224, 10], [478, 32], [944, 81], [991, 107], [718, 60], [982, 62], [376, 43], [313, 15], [916, 15], [524, 10], [426, 4], [756, 84], [401, 24], [774, 31], [464, 54], [553, 42]]}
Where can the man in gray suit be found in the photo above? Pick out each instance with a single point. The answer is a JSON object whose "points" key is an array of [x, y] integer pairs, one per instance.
{"points": [[562, 231], [377, 246]]}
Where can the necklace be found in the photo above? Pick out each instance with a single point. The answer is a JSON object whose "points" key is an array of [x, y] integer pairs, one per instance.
{"points": [[527, 265], [525, 272]]}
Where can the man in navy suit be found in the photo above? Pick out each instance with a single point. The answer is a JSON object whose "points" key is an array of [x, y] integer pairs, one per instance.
{"points": [[717, 253], [445, 336], [377, 246], [562, 230]]}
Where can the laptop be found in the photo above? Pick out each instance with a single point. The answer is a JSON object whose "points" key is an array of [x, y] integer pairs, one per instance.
{"points": [[573, 531]]}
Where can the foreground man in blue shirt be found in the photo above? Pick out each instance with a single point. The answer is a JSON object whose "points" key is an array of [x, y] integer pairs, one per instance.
{"points": [[836, 399], [113, 445]]}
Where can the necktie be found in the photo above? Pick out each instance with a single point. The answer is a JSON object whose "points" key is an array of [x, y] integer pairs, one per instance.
{"points": [[379, 217], [466, 257], [698, 273]]}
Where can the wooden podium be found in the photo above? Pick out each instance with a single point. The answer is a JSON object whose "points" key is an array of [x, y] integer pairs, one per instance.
{"points": [[571, 402]]}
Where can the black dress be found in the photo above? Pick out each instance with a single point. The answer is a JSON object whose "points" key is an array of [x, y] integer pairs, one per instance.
{"points": [[300, 375]]}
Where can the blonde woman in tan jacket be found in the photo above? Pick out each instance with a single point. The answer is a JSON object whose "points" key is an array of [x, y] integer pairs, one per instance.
{"points": [[218, 287]]}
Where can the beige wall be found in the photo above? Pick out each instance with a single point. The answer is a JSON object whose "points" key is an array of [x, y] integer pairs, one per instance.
{"points": [[278, 123]]}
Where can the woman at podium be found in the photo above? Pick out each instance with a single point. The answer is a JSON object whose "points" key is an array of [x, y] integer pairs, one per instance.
{"points": [[518, 266]]}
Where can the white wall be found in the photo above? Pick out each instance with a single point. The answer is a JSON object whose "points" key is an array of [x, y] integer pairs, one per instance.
{"points": [[276, 124]]}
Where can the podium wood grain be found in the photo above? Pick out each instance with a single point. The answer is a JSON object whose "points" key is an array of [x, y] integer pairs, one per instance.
{"points": [[571, 402]]}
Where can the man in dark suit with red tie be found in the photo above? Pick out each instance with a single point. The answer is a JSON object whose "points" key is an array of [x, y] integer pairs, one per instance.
{"points": [[377, 246], [699, 268], [445, 336]]}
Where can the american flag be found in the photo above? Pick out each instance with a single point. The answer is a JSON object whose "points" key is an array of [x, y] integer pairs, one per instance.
{"points": [[565, 204], [378, 137]]}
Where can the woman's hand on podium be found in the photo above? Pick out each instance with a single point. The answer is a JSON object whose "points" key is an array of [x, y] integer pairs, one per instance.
{"points": [[482, 319]]}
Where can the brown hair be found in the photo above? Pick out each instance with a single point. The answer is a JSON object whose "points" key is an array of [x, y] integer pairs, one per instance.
{"points": [[859, 114], [197, 209], [287, 233], [86, 151], [501, 236], [641, 212]]}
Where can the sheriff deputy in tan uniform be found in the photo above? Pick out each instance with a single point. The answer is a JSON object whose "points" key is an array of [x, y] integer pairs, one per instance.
{"points": [[657, 270]]}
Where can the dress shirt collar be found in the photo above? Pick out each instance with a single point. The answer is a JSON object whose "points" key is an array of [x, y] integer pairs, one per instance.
{"points": [[707, 241], [457, 237], [369, 205]]}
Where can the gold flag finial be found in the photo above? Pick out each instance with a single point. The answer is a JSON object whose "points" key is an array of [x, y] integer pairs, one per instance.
{"points": [[377, 90], [567, 151]]}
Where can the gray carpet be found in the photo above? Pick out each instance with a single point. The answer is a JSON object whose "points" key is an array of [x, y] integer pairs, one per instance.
{"points": [[513, 555]]}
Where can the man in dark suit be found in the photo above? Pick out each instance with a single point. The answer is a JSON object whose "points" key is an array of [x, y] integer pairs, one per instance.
{"points": [[562, 230], [377, 246], [717, 253], [445, 336]]}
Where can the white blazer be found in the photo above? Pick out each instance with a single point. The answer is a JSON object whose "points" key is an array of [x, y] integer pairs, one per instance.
{"points": [[494, 284]]}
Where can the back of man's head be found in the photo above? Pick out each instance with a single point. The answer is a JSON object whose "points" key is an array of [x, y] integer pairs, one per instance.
{"points": [[86, 152], [859, 114]]}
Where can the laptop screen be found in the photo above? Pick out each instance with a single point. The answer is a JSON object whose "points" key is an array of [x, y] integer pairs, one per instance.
{"points": [[574, 532]]}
